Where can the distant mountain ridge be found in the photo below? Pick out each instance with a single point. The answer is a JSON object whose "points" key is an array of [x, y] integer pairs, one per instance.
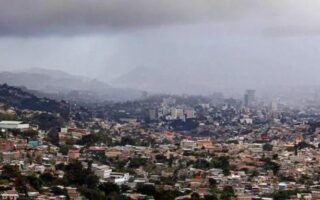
{"points": [[162, 80], [51, 81], [65, 86]]}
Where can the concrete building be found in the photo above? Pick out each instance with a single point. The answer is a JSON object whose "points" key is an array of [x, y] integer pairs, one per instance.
{"points": [[190, 113], [188, 144], [177, 113], [153, 114], [102, 171], [13, 125], [249, 98], [120, 178], [10, 195]]}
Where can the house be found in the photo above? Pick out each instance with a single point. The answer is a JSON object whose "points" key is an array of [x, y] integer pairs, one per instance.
{"points": [[186, 144], [7, 157], [14, 125], [10, 195], [119, 178], [244, 197], [205, 143], [6, 145], [102, 171], [256, 148], [136, 196], [112, 153], [72, 193], [74, 154]]}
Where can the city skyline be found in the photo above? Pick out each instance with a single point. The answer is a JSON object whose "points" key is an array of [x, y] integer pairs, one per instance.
{"points": [[193, 46]]}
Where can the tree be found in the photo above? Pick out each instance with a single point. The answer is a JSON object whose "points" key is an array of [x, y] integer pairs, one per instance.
{"points": [[92, 193], [124, 188], [30, 133], [221, 162], [275, 156], [35, 182], [212, 182], [9, 171], [202, 164], [92, 139], [305, 179], [195, 196], [109, 188], [92, 181], [53, 136], [254, 173], [57, 190], [227, 193], [21, 185], [136, 162], [302, 145], [64, 149], [267, 147], [147, 189], [48, 121], [47, 178], [211, 197], [75, 174], [160, 157], [165, 195], [6, 116], [270, 165], [284, 194], [127, 140]]}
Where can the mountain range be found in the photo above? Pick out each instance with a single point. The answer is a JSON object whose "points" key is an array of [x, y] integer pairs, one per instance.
{"points": [[61, 85]]}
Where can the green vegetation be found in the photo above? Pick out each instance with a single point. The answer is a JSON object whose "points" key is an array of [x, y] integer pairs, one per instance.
{"points": [[227, 193], [6, 116], [136, 162], [221, 162], [271, 165], [267, 147], [95, 138], [147, 189], [48, 121], [282, 195], [303, 145], [53, 136]]}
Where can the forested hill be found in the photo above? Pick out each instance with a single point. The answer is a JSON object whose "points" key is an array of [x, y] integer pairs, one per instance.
{"points": [[18, 98]]}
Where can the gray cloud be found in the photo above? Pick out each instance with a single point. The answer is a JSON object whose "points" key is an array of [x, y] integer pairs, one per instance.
{"points": [[36, 17], [27, 17], [291, 31], [218, 44], [72, 17]]}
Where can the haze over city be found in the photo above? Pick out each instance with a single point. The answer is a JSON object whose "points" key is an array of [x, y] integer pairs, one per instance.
{"points": [[194, 46], [159, 100]]}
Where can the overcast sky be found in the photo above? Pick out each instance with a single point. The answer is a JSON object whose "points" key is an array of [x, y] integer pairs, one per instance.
{"points": [[209, 43]]}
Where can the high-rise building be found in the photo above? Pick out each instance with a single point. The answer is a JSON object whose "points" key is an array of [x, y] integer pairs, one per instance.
{"points": [[274, 106], [177, 113], [153, 114], [249, 97], [190, 113]]}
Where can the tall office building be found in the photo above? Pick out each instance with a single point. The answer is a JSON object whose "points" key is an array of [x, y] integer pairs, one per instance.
{"points": [[249, 97], [153, 114], [274, 106]]}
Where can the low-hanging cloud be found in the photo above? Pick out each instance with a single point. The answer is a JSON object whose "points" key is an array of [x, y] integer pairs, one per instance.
{"points": [[23, 17], [214, 44], [42, 17]]}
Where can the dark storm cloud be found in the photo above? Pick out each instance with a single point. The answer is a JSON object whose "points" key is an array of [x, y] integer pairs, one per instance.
{"points": [[28, 17], [208, 43], [42, 17]]}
